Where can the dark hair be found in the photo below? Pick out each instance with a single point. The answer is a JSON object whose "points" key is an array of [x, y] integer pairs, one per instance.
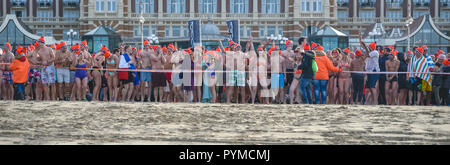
{"points": [[301, 39], [116, 50]]}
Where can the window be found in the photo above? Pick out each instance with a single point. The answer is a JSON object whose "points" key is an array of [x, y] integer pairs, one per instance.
{"points": [[241, 31], [421, 3], [40, 32], [280, 30], [305, 5], [262, 31], [176, 6], [185, 31], [445, 14], [394, 3], [147, 6], [154, 30], [270, 6], [137, 31], [367, 14], [99, 5], [176, 31], [44, 14], [207, 6], [18, 3], [44, 3], [249, 31], [394, 15], [71, 13], [342, 14], [239, 6], [19, 13], [111, 5], [48, 32], [271, 30], [317, 5], [167, 31], [419, 13], [146, 30], [44, 32], [342, 3]]}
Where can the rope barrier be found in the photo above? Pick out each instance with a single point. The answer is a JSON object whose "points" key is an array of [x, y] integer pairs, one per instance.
{"points": [[230, 71]]}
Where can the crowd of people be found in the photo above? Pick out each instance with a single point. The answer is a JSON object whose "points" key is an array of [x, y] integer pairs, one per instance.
{"points": [[234, 74]]}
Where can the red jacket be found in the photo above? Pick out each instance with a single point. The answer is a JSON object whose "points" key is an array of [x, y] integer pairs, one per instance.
{"points": [[20, 70], [324, 64]]}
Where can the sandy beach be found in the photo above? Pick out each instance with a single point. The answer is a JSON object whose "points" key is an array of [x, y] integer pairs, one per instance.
{"points": [[181, 123]]}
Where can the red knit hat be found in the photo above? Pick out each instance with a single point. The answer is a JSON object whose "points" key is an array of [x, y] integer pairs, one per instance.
{"points": [[373, 45], [358, 52], [420, 50], [42, 39]]}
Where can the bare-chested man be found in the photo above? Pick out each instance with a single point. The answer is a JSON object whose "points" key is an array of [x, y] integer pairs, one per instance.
{"points": [[158, 78], [391, 80], [288, 55], [47, 69], [278, 70], [8, 57], [63, 59], [146, 77], [358, 78]]}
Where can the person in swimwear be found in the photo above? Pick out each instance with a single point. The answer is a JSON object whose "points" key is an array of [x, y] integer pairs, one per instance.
{"points": [[112, 62], [391, 85], [81, 61], [344, 79]]}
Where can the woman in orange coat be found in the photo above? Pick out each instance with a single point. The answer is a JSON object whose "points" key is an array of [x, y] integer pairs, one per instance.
{"points": [[320, 81], [20, 68]]}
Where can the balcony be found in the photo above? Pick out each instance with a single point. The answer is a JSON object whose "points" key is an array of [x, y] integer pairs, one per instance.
{"points": [[366, 21], [18, 4], [106, 14], [207, 15], [50, 20], [394, 5], [145, 15]]}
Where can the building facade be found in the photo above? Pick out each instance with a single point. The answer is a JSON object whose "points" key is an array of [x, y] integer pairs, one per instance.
{"points": [[167, 19]]}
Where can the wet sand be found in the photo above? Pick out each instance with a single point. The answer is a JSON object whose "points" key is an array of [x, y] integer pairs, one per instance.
{"points": [[180, 123]]}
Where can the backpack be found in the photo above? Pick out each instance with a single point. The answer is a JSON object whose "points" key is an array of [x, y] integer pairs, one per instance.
{"points": [[314, 66]]}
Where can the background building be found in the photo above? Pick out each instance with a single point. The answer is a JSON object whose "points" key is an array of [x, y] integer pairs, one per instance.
{"points": [[167, 19]]}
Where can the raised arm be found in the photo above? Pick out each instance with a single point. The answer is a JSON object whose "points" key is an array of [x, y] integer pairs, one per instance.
{"points": [[363, 45], [221, 46]]}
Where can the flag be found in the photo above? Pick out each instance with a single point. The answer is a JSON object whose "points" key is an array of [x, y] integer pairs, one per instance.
{"points": [[233, 29], [194, 32]]}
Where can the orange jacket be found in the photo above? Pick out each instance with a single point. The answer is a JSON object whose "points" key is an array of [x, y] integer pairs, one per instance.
{"points": [[20, 70], [324, 64]]}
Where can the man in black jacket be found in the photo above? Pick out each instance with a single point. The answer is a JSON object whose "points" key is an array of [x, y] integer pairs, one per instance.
{"points": [[306, 77]]}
